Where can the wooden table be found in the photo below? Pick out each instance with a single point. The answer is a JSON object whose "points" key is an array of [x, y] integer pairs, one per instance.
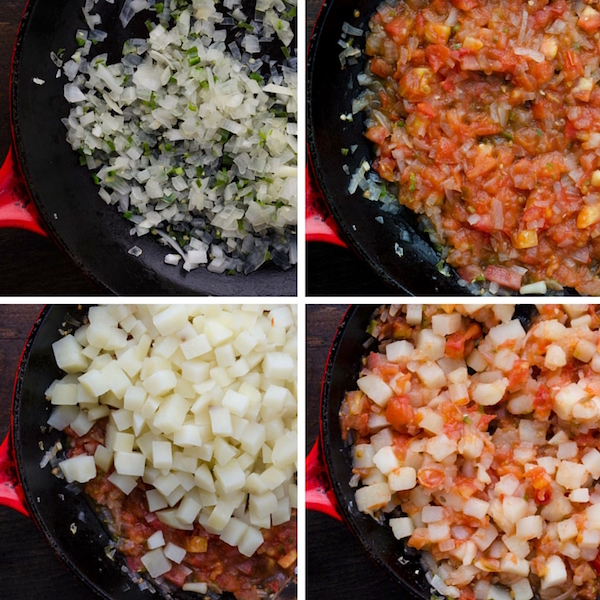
{"points": [[337, 566], [29, 570], [334, 271], [31, 264]]}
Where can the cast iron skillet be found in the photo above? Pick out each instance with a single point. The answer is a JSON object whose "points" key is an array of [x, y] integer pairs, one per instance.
{"points": [[61, 512], [330, 91], [329, 464], [94, 235]]}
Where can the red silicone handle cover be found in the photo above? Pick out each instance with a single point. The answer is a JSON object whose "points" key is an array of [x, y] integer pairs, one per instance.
{"points": [[11, 492], [16, 206], [319, 495], [320, 225]]}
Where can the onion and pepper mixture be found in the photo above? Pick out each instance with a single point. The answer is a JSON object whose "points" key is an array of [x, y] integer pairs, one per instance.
{"points": [[476, 440], [486, 115], [182, 428], [193, 134]]}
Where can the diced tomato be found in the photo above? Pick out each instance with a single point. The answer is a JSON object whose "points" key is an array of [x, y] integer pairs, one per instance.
{"points": [[465, 4], [589, 20], [415, 85], [438, 55], [456, 342], [541, 484], [381, 68], [519, 374], [483, 166], [398, 29], [386, 168], [542, 403], [431, 477], [426, 109], [503, 276], [177, 575], [399, 412], [572, 65], [377, 134]]}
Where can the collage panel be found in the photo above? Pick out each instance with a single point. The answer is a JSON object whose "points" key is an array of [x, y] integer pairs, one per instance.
{"points": [[452, 450], [450, 150], [153, 143], [149, 451]]}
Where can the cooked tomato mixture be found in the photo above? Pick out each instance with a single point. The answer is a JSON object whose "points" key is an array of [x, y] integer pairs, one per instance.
{"points": [[476, 440], [208, 559], [486, 113]]}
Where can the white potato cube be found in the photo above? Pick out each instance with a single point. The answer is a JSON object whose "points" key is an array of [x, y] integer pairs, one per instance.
{"points": [[68, 355], [555, 572], [371, 498], [376, 389], [431, 346], [171, 320], [251, 541], [530, 527], [174, 552], [125, 483], [160, 383], [171, 414], [431, 375], [402, 527], [130, 463], [446, 324], [279, 366], [571, 475], [403, 478], [156, 562], [81, 468], [399, 351]]}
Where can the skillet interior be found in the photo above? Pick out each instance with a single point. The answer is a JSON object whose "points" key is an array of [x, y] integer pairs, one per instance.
{"points": [[330, 91], [56, 509], [94, 235], [378, 540]]}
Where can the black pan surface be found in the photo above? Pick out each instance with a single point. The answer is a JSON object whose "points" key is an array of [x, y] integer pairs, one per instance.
{"points": [[377, 540], [95, 236], [63, 515]]}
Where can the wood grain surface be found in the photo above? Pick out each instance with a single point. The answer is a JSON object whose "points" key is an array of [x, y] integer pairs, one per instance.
{"points": [[29, 570], [31, 265], [337, 566]]}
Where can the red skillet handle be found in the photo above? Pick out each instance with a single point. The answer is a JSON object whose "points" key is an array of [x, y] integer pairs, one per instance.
{"points": [[11, 492], [319, 495], [16, 207], [320, 226]]}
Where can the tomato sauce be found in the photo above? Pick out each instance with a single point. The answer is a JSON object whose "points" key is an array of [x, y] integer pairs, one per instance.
{"points": [[486, 114], [208, 559]]}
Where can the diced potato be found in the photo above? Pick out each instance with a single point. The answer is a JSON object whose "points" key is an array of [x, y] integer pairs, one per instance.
{"points": [[130, 463], [68, 355], [81, 468], [156, 562], [555, 572], [376, 389], [488, 394], [402, 527], [373, 497]]}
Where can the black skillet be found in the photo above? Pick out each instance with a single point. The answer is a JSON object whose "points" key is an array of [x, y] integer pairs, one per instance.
{"points": [[66, 203], [398, 251], [60, 511], [329, 464]]}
